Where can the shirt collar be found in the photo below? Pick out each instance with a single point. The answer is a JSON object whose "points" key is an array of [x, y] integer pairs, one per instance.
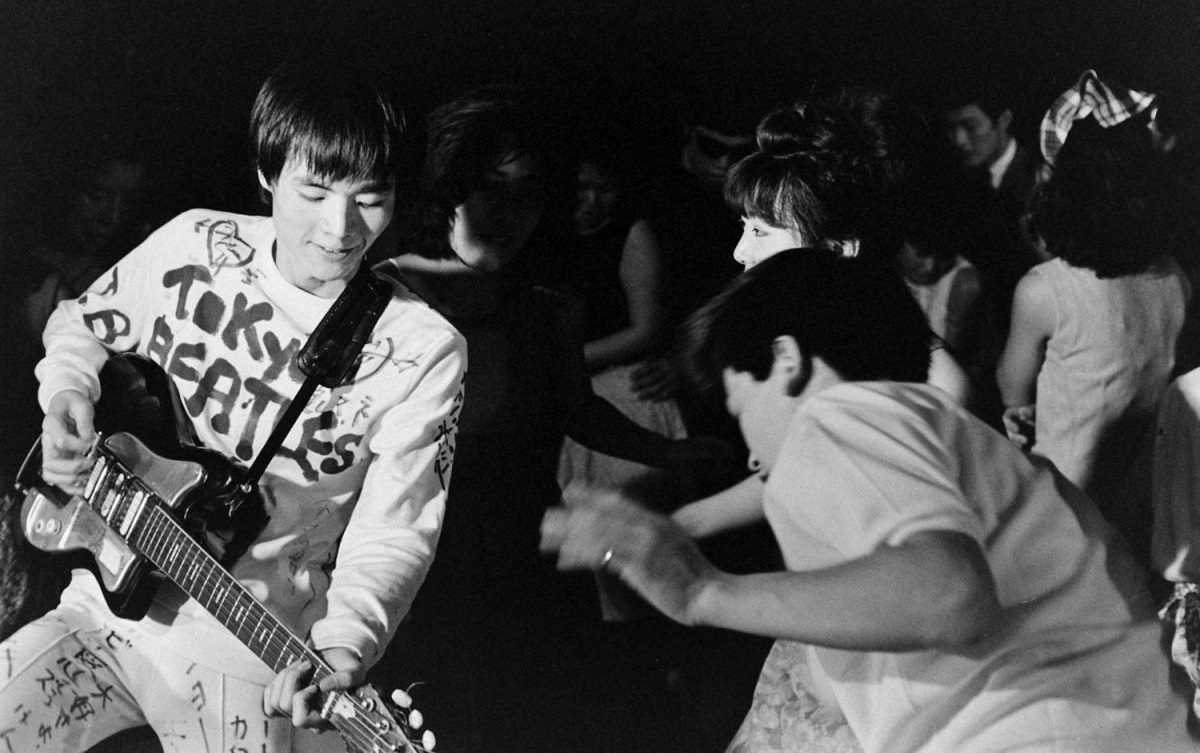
{"points": [[997, 169]]}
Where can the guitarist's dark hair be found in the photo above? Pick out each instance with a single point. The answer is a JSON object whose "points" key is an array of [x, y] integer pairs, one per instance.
{"points": [[329, 112]]}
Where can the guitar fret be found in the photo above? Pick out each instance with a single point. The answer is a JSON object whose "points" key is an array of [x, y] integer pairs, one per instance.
{"points": [[192, 574], [146, 537]]}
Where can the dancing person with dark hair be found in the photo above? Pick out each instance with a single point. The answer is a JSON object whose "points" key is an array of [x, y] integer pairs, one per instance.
{"points": [[823, 176], [614, 265], [821, 180], [506, 648], [927, 559], [1092, 344], [354, 497]]}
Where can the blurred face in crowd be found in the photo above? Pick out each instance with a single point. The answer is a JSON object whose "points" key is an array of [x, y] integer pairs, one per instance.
{"points": [[105, 205], [709, 154], [324, 226], [761, 240], [917, 265], [977, 139], [595, 199], [498, 218]]}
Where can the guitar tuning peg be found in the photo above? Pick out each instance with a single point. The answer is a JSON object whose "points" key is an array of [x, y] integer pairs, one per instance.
{"points": [[415, 719], [428, 740], [401, 699]]}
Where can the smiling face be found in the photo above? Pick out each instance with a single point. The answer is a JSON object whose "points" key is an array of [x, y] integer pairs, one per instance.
{"points": [[324, 226], [761, 240], [498, 218]]}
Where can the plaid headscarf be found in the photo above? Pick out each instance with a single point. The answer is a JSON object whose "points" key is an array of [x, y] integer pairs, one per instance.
{"points": [[1110, 105]]}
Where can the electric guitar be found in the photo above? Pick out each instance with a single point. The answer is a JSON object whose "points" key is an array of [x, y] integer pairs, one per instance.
{"points": [[148, 514]]}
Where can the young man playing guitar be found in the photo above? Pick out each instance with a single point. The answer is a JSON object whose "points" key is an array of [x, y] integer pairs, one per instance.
{"points": [[224, 304]]}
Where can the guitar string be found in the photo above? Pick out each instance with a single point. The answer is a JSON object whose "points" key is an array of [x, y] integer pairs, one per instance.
{"points": [[169, 530], [161, 531], [165, 531]]}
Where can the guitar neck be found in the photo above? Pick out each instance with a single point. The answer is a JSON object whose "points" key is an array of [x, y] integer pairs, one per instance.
{"points": [[189, 565], [165, 542]]}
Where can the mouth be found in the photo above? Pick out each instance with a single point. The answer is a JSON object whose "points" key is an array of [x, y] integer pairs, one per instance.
{"points": [[339, 251]]}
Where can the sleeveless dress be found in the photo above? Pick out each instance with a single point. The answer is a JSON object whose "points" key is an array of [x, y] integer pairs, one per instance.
{"points": [[594, 270], [1107, 364]]}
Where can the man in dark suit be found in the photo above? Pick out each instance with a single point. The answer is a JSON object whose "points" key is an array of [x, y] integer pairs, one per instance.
{"points": [[993, 177]]}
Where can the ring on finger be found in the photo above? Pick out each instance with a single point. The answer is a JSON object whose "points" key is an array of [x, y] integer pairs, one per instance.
{"points": [[607, 558]]}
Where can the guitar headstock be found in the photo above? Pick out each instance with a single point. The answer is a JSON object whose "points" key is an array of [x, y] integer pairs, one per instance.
{"points": [[370, 724]]}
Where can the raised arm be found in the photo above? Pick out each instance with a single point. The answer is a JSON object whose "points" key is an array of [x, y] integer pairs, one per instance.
{"points": [[736, 507], [931, 590]]}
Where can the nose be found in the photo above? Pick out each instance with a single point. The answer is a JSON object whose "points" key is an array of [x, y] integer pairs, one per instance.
{"points": [[741, 253], [342, 218]]}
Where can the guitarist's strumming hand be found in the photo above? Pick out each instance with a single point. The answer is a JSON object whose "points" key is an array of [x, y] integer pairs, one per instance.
{"points": [[291, 694], [67, 435]]}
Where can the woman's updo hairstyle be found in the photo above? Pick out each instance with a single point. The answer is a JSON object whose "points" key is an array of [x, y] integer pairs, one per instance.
{"points": [[781, 181], [827, 167]]}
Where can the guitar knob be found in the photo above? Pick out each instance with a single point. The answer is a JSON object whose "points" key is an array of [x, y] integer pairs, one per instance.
{"points": [[415, 719], [401, 699], [428, 740]]}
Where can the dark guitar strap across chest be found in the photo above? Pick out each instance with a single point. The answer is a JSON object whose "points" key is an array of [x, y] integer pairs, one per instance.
{"points": [[328, 359]]}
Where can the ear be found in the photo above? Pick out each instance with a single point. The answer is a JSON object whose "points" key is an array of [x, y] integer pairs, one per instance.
{"points": [[793, 362], [1004, 121], [262, 181]]}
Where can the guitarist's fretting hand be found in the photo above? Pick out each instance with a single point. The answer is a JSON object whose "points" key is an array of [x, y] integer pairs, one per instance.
{"points": [[67, 435], [291, 694]]}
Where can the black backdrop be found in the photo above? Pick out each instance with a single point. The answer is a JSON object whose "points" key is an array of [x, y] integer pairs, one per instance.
{"points": [[185, 73]]}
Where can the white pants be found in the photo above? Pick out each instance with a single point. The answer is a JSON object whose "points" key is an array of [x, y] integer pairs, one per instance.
{"points": [[74, 677]]}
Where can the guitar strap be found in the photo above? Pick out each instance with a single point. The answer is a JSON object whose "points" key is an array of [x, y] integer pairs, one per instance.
{"points": [[329, 358]]}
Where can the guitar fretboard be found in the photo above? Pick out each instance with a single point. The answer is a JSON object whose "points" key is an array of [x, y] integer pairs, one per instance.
{"points": [[194, 570], [144, 521]]}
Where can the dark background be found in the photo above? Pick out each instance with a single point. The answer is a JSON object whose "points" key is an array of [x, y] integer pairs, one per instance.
{"points": [[183, 75]]}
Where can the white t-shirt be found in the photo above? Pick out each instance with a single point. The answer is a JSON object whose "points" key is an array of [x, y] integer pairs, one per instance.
{"points": [[1074, 664], [357, 491]]}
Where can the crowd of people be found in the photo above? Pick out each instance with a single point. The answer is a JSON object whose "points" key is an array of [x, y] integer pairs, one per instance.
{"points": [[882, 470]]}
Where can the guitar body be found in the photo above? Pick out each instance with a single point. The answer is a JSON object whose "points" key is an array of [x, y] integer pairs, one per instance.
{"points": [[72, 527], [192, 481], [165, 508]]}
